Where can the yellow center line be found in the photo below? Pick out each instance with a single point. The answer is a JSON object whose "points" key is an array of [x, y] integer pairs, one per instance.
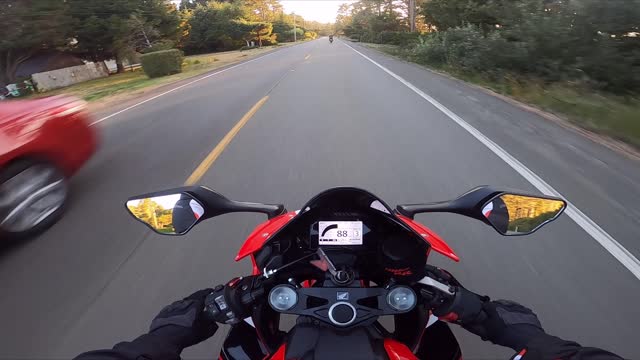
{"points": [[213, 155], [307, 57]]}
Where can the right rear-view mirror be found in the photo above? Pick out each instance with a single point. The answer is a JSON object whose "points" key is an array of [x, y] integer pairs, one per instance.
{"points": [[512, 214]]}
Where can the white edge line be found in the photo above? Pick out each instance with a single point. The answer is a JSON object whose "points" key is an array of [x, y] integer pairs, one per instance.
{"points": [[179, 87], [597, 233]]}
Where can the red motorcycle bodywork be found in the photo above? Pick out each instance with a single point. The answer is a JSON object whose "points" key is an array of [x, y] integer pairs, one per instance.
{"points": [[398, 351], [436, 242], [279, 355], [263, 232]]}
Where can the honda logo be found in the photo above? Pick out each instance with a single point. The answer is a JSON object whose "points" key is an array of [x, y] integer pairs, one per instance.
{"points": [[343, 295]]}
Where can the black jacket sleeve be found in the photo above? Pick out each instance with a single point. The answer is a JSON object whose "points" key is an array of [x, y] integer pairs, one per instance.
{"points": [[547, 347], [145, 347]]}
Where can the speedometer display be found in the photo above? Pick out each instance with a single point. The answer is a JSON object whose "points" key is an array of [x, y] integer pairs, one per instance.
{"points": [[340, 233]]}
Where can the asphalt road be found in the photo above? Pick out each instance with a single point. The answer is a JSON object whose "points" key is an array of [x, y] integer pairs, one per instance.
{"points": [[332, 118]]}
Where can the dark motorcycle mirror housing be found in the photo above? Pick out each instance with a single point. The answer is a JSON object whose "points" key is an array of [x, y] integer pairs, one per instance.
{"points": [[510, 213], [176, 211]]}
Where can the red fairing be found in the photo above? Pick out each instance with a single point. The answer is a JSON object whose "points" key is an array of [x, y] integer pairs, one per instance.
{"points": [[278, 355], [398, 351], [261, 234], [431, 237]]}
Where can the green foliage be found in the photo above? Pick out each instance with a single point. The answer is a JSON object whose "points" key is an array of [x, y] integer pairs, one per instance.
{"points": [[263, 10], [319, 28], [366, 19], [588, 41], [466, 48], [430, 50], [162, 63], [226, 25], [216, 27], [284, 31], [191, 4], [447, 14], [105, 29], [159, 46], [30, 26], [397, 38]]}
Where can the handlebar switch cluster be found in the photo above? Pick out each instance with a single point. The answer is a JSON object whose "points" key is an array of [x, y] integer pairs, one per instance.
{"points": [[216, 307]]}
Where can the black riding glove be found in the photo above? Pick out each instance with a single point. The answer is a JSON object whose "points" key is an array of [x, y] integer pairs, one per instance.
{"points": [[502, 322], [506, 323], [183, 323], [231, 303], [461, 308]]}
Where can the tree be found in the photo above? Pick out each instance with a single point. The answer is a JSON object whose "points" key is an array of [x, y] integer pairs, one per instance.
{"points": [[283, 31], [263, 10], [191, 4], [365, 19], [215, 27], [322, 29], [101, 28], [252, 31], [30, 26], [107, 29]]}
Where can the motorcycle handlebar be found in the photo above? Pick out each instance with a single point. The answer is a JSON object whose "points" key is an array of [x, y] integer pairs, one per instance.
{"points": [[228, 304]]}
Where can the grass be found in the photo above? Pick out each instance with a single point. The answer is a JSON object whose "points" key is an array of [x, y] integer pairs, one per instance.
{"points": [[136, 81], [609, 114]]}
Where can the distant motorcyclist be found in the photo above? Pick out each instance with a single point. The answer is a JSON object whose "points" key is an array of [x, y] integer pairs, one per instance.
{"points": [[185, 214], [330, 38], [502, 322]]}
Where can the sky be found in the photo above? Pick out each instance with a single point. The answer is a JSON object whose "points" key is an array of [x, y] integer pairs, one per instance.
{"points": [[318, 10]]}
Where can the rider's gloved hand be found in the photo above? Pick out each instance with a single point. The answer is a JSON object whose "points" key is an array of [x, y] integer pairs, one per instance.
{"points": [[502, 322], [183, 323], [462, 308], [506, 323], [231, 303]]}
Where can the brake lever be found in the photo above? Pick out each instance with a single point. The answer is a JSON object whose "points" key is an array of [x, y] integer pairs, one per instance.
{"points": [[437, 285]]}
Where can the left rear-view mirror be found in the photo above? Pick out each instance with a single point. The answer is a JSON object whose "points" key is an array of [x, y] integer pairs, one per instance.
{"points": [[168, 214], [512, 214]]}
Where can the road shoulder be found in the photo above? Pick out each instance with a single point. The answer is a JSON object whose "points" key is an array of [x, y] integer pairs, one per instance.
{"points": [[113, 104], [599, 138], [602, 183]]}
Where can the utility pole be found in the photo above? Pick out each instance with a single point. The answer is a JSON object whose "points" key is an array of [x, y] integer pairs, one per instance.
{"points": [[412, 15], [294, 28]]}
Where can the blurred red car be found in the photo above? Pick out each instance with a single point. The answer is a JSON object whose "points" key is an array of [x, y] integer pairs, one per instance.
{"points": [[42, 143]]}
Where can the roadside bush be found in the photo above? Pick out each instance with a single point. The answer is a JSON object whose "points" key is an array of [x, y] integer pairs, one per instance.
{"points": [[162, 63], [501, 53], [466, 48], [429, 50], [401, 38], [367, 37]]}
